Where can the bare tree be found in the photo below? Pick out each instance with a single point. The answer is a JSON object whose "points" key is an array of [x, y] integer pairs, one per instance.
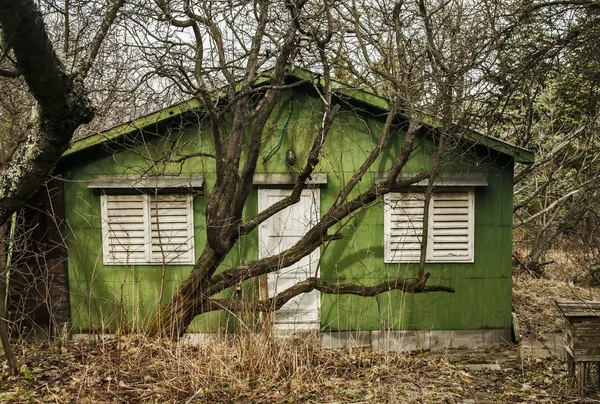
{"points": [[421, 55], [411, 52], [62, 105], [546, 99]]}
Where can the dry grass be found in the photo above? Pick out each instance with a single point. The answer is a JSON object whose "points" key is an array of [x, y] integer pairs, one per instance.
{"points": [[533, 299], [249, 369], [256, 368]]}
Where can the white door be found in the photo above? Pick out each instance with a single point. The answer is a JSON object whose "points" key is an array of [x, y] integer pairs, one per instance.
{"points": [[280, 232]]}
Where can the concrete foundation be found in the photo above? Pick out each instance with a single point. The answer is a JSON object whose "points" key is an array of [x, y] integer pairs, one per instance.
{"points": [[433, 340]]}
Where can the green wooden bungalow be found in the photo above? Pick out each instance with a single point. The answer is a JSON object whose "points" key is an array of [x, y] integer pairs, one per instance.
{"points": [[135, 223]]}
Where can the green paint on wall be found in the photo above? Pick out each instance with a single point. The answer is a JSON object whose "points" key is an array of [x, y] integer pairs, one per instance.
{"points": [[105, 297]]}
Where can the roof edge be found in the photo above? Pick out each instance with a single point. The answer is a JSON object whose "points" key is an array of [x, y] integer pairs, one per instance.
{"points": [[520, 154], [135, 124]]}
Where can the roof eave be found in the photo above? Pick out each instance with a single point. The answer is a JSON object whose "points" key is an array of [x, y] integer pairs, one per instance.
{"points": [[519, 154], [133, 125]]}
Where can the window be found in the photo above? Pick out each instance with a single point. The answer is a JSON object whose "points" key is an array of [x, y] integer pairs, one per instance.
{"points": [[147, 229], [451, 226]]}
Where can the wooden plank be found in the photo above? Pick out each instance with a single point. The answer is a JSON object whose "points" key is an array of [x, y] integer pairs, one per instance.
{"points": [[587, 330], [178, 248], [286, 179], [461, 179], [586, 358], [451, 239], [585, 346], [406, 238], [132, 181], [585, 341], [459, 220], [452, 211], [585, 322], [450, 246], [582, 308], [580, 369]]}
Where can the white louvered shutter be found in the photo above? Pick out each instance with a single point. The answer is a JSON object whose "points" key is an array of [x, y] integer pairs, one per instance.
{"points": [[172, 232], [124, 231], [403, 226], [451, 227]]}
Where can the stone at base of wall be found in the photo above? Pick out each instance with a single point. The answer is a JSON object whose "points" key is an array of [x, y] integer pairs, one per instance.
{"points": [[433, 340], [193, 339], [198, 339], [91, 337]]}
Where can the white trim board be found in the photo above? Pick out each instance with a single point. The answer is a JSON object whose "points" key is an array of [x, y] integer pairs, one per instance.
{"points": [[287, 179], [129, 181], [450, 179]]}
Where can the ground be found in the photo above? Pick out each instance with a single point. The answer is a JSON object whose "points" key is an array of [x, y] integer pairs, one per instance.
{"points": [[259, 369]]}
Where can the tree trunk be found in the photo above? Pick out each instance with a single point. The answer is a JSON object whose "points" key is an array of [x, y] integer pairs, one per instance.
{"points": [[63, 105], [173, 319]]}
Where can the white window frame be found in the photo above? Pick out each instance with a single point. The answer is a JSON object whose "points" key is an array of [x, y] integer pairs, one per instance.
{"points": [[186, 256], [392, 207]]}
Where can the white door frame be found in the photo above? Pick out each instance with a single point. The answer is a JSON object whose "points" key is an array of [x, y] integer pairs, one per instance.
{"points": [[303, 310]]}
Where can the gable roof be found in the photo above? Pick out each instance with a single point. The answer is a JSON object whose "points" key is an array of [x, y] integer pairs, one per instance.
{"points": [[520, 155]]}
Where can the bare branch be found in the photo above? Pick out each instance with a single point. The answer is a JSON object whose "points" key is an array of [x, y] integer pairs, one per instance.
{"points": [[183, 157], [432, 48], [560, 201], [318, 234], [313, 159], [375, 153], [107, 22], [294, 197], [308, 285]]}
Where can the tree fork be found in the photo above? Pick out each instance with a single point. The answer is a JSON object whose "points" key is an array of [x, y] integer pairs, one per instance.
{"points": [[173, 318]]}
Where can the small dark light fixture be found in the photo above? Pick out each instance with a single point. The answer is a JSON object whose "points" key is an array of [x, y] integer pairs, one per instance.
{"points": [[290, 157]]}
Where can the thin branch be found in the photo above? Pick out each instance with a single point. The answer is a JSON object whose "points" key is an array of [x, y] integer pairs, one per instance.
{"points": [[264, 110], [559, 202], [109, 18], [183, 157], [431, 48], [533, 195], [169, 17], [13, 364], [294, 197], [544, 4]]}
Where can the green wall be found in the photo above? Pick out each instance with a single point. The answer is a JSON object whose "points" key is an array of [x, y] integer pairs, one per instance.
{"points": [[104, 298]]}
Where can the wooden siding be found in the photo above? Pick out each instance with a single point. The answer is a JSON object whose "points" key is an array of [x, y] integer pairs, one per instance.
{"points": [[117, 296]]}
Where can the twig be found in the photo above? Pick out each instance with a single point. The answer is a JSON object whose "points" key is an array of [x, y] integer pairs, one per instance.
{"points": [[199, 391]]}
